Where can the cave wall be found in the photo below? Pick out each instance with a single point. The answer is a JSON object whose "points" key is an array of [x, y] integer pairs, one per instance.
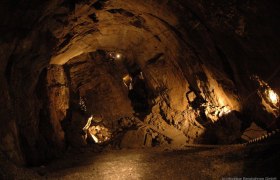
{"points": [[99, 81], [236, 40], [58, 102], [25, 50]]}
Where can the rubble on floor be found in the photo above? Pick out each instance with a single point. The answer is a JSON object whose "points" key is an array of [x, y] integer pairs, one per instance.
{"points": [[252, 132]]}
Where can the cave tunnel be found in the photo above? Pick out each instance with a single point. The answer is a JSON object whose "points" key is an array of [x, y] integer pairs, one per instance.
{"points": [[152, 89]]}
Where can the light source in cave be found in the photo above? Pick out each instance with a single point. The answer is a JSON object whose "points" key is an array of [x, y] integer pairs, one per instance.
{"points": [[127, 80], [115, 55], [85, 128], [118, 56], [266, 93], [269, 98], [273, 97], [98, 133], [215, 112], [225, 110]]}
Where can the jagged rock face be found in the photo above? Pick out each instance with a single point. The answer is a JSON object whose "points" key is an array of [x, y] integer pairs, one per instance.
{"points": [[99, 82], [58, 96], [196, 57]]}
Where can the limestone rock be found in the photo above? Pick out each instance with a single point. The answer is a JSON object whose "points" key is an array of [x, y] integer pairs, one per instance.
{"points": [[252, 132], [58, 95], [133, 139], [191, 96]]}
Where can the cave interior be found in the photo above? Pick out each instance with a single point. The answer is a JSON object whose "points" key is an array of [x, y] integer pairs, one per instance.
{"points": [[182, 84]]}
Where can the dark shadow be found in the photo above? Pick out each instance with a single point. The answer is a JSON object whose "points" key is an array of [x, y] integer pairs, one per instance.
{"points": [[138, 91], [139, 97], [93, 17], [262, 160], [226, 130], [99, 5], [121, 11]]}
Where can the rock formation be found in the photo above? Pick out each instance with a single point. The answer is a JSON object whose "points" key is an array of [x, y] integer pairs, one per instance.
{"points": [[190, 65]]}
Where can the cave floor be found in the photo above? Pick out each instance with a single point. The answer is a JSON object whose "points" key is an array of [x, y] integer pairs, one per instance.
{"points": [[155, 163]]}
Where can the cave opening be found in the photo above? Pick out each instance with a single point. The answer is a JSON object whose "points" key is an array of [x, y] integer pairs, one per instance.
{"points": [[139, 96], [138, 92]]}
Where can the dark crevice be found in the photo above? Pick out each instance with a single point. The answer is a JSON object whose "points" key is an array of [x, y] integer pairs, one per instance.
{"points": [[154, 59], [68, 76], [93, 30], [139, 93], [226, 65], [9, 69], [163, 115], [66, 41], [174, 29], [99, 5], [75, 64], [41, 87], [122, 12], [57, 85], [65, 23], [70, 4], [133, 68], [139, 97], [9, 66], [157, 37], [202, 76], [93, 17], [198, 18], [138, 22]]}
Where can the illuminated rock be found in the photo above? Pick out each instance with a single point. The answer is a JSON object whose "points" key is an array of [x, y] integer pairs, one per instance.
{"points": [[55, 52]]}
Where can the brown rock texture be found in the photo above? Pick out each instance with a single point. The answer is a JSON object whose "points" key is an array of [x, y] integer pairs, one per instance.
{"points": [[58, 96], [191, 64]]}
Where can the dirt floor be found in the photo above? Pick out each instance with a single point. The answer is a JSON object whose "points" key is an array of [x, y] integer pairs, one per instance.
{"points": [[189, 163]]}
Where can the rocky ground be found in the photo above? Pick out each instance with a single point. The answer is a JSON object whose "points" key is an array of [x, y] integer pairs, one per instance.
{"points": [[199, 162]]}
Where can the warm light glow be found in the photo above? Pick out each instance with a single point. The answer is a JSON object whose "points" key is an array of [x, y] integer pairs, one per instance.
{"points": [[226, 110], [98, 133], [273, 97], [270, 100], [216, 112], [94, 138], [118, 56], [88, 123], [127, 80]]}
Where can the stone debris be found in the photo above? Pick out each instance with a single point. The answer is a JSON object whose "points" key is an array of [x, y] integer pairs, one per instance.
{"points": [[252, 132], [214, 113], [99, 133], [133, 139]]}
